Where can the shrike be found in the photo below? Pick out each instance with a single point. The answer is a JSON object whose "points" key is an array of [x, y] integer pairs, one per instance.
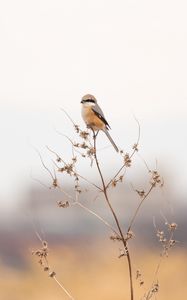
{"points": [[94, 117]]}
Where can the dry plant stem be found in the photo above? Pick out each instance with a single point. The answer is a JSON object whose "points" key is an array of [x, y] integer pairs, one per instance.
{"points": [[138, 208], [63, 288], [115, 218]]}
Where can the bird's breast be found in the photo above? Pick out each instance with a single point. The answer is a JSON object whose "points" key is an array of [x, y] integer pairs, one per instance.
{"points": [[91, 119]]}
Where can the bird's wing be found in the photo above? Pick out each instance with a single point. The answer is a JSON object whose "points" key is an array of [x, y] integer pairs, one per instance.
{"points": [[98, 111]]}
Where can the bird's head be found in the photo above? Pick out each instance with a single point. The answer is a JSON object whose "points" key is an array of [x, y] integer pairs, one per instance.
{"points": [[88, 99]]}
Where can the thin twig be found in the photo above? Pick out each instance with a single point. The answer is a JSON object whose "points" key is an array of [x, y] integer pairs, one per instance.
{"points": [[57, 156], [96, 215], [46, 168], [138, 208], [60, 133], [63, 288], [145, 163], [75, 202], [68, 116], [39, 181], [130, 156], [90, 182]]}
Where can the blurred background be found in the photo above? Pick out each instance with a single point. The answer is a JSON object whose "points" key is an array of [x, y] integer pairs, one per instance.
{"points": [[132, 56]]}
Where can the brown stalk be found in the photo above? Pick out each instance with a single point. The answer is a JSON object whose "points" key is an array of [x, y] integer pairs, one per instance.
{"points": [[115, 217]]}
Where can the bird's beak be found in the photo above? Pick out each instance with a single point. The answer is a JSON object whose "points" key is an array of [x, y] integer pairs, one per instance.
{"points": [[82, 101]]}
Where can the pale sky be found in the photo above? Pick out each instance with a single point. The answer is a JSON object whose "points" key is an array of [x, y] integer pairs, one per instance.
{"points": [[132, 55]]}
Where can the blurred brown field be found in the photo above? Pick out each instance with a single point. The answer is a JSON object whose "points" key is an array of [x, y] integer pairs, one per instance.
{"points": [[94, 272]]}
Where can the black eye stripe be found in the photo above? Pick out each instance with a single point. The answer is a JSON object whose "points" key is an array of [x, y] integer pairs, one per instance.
{"points": [[89, 100]]}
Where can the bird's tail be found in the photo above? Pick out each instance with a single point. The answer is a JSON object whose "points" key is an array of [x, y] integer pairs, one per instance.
{"points": [[111, 140]]}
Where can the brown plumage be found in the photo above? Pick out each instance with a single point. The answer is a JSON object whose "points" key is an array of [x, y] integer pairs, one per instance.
{"points": [[94, 116]]}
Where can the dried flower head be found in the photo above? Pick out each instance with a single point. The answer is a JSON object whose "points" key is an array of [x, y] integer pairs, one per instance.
{"points": [[69, 168], [122, 253], [84, 135], [63, 204], [129, 235], [77, 128], [160, 235], [52, 274], [135, 147], [83, 146], [155, 288], [42, 255], [77, 145], [91, 151], [167, 240], [172, 226], [74, 159], [139, 277], [116, 180], [141, 193], [127, 160], [55, 183], [115, 237], [156, 179]]}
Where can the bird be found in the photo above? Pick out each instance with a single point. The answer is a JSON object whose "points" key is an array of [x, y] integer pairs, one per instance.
{"points": [[94, 117]]}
